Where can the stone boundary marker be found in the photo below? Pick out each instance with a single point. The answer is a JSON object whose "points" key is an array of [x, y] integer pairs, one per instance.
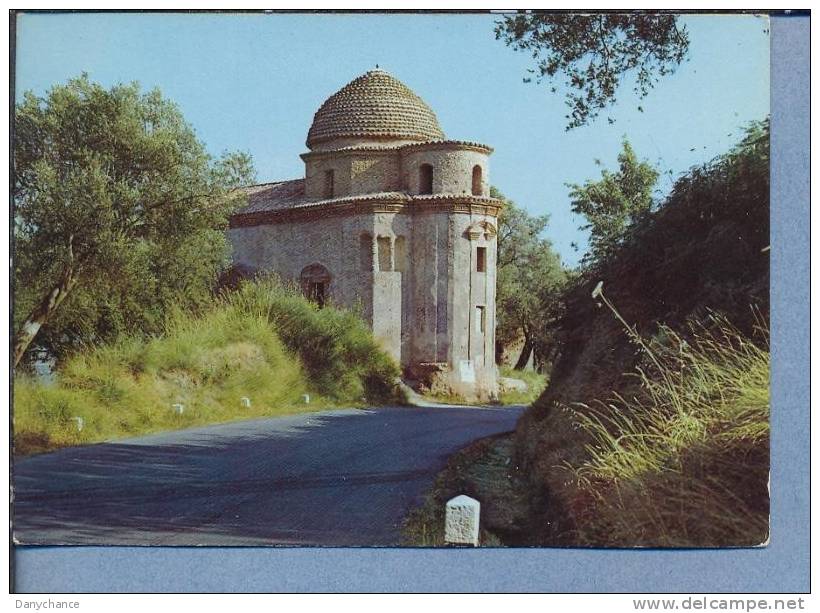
{"points": [[461, 521]]}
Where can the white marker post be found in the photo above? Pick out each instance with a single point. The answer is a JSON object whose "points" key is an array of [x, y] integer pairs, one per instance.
{"points": [[461, 521], [306, 398], [179, 409], [246, 402], [80, 423]]}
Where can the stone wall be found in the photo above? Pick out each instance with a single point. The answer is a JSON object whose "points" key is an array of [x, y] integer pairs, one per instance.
{"points": [[473, 299], [376, 172], [429, 297], [355, 172], [429, 286], [369, 171], [411, 273], [380, 294], [315, 171], [393, 287], [387, 316], [288, 248], [452, 168]]}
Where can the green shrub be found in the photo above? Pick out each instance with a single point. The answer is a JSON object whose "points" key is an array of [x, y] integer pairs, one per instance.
{"points": [[339, 353], [704, 249]]}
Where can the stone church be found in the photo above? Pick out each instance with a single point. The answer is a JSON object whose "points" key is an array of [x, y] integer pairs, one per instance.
{"points": [[391, 219]]}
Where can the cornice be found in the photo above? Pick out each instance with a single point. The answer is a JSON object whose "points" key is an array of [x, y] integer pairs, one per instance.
{"points": [[433, 145], [394, 203], [458, 145]]}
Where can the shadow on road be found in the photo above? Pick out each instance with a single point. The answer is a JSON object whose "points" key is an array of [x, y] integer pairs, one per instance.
{"points": [[334, 478]]}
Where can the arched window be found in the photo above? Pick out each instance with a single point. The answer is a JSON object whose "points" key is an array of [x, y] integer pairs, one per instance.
{"points": [[425, 179], [478, 189], [315, 280]]}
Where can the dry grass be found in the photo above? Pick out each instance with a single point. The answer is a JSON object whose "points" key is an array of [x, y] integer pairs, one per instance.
{"points": [[684, 462]]}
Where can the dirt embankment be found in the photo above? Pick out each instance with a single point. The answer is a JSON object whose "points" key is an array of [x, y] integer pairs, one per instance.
{"points": [[706, 251]]}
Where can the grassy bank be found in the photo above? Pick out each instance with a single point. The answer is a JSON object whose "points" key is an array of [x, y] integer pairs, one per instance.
{"points": [[679, 459], [264, 342], [341, 357], [678, 456], [684, 461]]}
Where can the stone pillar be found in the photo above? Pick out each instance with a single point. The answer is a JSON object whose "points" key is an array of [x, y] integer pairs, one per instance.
{"points": [[461, 521]]}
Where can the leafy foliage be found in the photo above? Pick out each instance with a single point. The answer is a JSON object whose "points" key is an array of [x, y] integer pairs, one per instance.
{"points": [[530, 275], [118, 208], [614, 203], [594, 52]]}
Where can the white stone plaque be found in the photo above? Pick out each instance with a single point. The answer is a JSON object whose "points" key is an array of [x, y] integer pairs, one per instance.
{"points": [[466, 371]]}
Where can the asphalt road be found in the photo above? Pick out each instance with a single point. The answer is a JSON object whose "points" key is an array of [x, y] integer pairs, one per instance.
{"points": [[336, 478]]}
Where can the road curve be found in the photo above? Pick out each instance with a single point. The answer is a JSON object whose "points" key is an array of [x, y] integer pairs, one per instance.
{"points": [[335, 478]]}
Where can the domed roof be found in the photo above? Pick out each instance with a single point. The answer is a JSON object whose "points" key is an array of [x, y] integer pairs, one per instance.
{"points": [[375, 105]]}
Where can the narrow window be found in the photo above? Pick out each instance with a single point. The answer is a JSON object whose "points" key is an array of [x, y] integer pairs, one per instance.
{"points": [[385, 257], [425, 179], [401, 254], [366, 252], [481, 259], [480, 320], [477, 187], [329, 187]]}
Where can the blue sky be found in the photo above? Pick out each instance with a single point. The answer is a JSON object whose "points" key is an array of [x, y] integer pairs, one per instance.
{"points": [[252, 83]]}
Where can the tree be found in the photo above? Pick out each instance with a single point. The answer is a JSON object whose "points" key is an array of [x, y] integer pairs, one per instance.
{"points": [[529, 274], [117, 207], [612, 204], [594, 52]]}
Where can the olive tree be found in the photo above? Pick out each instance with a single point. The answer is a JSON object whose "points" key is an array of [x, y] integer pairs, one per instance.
{"points": [[530, 275], [590, 54], [116, 204]]}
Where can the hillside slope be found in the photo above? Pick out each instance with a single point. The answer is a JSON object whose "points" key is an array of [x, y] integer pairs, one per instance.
{"points": [[704, 252], [256, 352]]}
